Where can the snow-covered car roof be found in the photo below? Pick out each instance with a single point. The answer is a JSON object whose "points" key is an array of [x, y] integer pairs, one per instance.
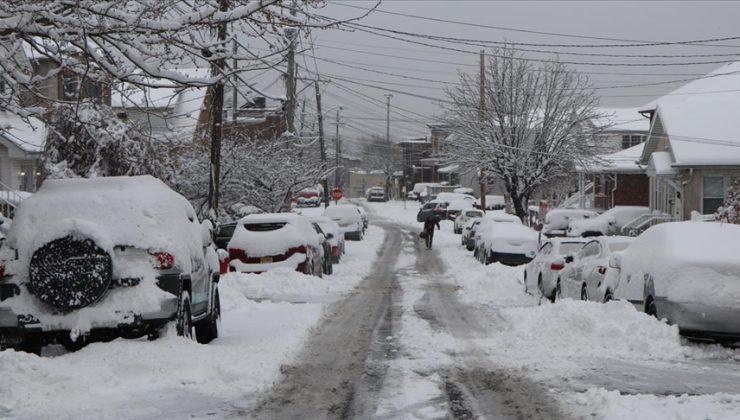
{"points": [[450, 197], [460, 205], [344, 211], [136, 211], [501, 216], [300, 222]]}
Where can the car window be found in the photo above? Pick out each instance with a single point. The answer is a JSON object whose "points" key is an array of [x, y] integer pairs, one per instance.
{"points": [[590, 249], [546, 249], [567, 248]]}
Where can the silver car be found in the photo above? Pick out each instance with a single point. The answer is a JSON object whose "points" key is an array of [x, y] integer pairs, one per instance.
{"points": [[541, 273], [583, 276], [687, 273]]}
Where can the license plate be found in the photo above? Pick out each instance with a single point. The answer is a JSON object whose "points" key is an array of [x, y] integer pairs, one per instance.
{"points": [[266, 260]]}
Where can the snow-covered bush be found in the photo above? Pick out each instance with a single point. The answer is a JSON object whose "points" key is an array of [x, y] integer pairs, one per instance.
{"points": [[730, 210], [88, 140]]}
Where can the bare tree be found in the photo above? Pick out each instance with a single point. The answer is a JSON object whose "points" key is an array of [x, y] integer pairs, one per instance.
{"points": [[533, 125]]}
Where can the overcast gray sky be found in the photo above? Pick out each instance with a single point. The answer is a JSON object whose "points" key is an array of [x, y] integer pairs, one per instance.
{"points": [[352, 60]]}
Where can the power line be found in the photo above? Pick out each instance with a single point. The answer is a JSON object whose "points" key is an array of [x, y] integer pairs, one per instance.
{"points": [[632, 42]]}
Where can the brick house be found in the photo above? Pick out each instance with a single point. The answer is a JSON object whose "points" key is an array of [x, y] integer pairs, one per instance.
{"points": [[617, 179]]}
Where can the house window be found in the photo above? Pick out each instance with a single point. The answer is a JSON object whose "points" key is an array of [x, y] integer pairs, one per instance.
{"points": [[713, 193], [632, 140], [69, 87]]}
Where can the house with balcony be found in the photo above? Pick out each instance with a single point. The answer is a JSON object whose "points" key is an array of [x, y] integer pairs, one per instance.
{"points": [[692, 153]]}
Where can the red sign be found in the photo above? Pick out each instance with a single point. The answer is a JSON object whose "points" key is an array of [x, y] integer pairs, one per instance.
{"points": [[336, 194]]}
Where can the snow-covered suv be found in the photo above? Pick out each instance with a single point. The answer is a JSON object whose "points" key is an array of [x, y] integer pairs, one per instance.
{"points": [[96, 259]]}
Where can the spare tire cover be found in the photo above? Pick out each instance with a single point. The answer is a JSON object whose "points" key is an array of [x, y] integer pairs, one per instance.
{"points": [[70, 273]]}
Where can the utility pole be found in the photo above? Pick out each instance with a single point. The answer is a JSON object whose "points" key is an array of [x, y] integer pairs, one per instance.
{"points": [[482, 109], [338, 145], [234, 93], [389, 166], [324, 182], [290, 33], [217, 116]]}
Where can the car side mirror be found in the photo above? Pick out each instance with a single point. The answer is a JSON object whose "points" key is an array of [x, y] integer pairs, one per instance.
{"points": [[612, 221], [615, 261], [568, 259], [206, 231], [329, 235]]}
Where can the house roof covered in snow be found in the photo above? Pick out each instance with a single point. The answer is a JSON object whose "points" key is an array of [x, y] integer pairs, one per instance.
{"points": [[622, 119], [700, 119], [622, 162], [29, 136]]}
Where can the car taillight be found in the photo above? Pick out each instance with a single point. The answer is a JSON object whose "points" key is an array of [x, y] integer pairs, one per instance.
{"points": [[297, 250], [237, 254], [163, 260], [557, 266], [602, 270]]}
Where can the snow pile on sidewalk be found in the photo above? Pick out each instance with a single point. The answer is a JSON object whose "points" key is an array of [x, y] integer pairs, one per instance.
{"points": [[587, 329], [284, 284], [611, 405]]}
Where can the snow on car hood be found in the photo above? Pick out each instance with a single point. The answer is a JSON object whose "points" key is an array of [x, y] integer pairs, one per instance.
{"points": [[577, 227], [140, 211]]}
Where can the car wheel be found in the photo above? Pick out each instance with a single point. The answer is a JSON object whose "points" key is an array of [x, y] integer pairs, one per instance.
{"points": [[608, 296], [650, 307], [558, 293], [584, 293], [185, 317], [207, 330]]}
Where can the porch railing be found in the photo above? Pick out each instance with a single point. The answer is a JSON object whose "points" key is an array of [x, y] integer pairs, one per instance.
{"points": [[575, 199], [9, 200], [639, 224]]}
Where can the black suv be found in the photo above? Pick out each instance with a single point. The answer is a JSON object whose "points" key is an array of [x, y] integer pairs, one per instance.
{"points": [[95, 259]]}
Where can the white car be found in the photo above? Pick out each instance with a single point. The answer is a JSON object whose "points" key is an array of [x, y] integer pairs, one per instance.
{"points": [[583, 276], [506, 242], [457, 207], [496, 216], [608, 223], [467, 238], [263, 242], [464, 217], [557, 220], [349, 219], [336, 241], [541, 273], [687, 273]]}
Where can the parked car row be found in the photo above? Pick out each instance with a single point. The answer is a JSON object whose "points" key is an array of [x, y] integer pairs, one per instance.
{"points": [[311, 245], [496, 237], [95, 259], [685, 272]]}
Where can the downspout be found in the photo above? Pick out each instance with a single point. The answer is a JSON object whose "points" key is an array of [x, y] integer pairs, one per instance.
{"points": [[616, 183]]}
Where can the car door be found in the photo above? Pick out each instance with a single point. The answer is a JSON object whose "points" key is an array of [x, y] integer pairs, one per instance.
{"points": [[535, 267], [594, 269], [573, 280]]}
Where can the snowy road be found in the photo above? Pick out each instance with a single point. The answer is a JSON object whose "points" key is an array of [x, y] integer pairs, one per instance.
{"points": [[398, 332]]}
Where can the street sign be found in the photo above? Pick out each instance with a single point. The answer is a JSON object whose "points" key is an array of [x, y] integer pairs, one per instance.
{"points": [[336, 194]]}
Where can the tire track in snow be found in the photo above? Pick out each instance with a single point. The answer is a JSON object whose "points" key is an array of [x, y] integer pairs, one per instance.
{"points": [[474, 387], [340, 371]]}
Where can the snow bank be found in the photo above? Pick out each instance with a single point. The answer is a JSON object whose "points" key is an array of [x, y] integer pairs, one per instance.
{"points": [[588, 329], [611, 405]]}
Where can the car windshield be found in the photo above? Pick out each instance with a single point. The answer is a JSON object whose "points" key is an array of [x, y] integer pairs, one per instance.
{"points": [[227, 230], [569, 248], [472, 214]]}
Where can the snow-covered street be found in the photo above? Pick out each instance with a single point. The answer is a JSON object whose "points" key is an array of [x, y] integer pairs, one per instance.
{"points": [[398, 331]]}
